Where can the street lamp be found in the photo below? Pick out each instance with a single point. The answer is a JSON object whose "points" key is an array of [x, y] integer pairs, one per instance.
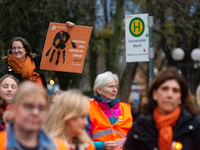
{"points": [[195, 55], [178, 54]]}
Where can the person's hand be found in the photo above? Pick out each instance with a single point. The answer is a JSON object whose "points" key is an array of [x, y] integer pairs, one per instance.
{"points": [[69, 24], [110, 145]]}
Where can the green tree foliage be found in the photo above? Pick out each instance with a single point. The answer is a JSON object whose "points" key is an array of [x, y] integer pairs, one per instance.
{"points": [[22, 18], [177, 23], [30, 19]]}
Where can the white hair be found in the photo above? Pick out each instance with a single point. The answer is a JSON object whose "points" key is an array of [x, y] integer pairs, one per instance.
{"points": [[104, 78]]}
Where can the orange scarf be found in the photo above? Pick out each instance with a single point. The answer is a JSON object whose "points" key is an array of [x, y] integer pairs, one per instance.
{"points": [[26, 68], [164, 124]]}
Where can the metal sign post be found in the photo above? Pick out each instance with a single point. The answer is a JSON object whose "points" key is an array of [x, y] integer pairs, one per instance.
{"points": [[139, 40], [151, 49]]}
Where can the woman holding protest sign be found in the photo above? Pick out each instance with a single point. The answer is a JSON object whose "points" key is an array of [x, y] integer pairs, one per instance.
{"points": [[22, 63]]}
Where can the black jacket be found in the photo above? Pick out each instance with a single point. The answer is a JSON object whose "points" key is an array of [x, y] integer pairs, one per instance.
{"points": [[7, 69], [144, 134]]}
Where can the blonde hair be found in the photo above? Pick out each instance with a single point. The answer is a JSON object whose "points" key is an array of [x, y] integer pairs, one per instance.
{"points": [[52, 97], [27, 88], [6, 116], [69, 104]]}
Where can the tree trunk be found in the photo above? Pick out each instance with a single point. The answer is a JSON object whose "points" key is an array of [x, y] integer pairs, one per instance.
{"points": [[116, 37], [92, 49], [127, 81]]}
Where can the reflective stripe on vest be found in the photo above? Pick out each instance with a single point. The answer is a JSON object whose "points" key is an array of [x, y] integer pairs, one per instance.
{"points": [[106, 132], [102, 129]]}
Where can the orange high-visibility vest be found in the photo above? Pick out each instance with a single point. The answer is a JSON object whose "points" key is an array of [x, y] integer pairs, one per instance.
{"points": [[103, 130], [60, 145], [3, 140], [91, 147]]}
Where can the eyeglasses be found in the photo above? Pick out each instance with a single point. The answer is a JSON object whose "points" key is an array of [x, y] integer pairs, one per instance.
{"points": [[113, 86], [30, 107], [15, 48]]}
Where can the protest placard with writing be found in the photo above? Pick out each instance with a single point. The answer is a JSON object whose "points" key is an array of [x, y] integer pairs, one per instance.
{"points": [[65, 48]]}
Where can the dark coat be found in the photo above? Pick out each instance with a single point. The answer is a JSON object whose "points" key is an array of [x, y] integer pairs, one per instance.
{"points": [[144, 134], [7, 69]]}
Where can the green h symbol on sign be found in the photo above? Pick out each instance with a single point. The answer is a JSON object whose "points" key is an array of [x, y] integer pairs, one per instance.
{"points": [[134, 24]]}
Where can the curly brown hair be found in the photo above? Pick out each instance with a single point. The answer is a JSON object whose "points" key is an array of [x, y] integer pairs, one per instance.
{"points": [[25, 44], [187, 100]]}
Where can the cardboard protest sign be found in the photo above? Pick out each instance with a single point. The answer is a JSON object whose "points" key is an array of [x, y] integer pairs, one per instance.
{"points": [[65, 48]]}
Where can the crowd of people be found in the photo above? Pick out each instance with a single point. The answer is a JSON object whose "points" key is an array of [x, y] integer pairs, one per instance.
{"points": [[69, 120]]}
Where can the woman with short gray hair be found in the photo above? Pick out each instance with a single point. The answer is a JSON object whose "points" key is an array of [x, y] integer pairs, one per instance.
{"points": [[109, 119]]}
